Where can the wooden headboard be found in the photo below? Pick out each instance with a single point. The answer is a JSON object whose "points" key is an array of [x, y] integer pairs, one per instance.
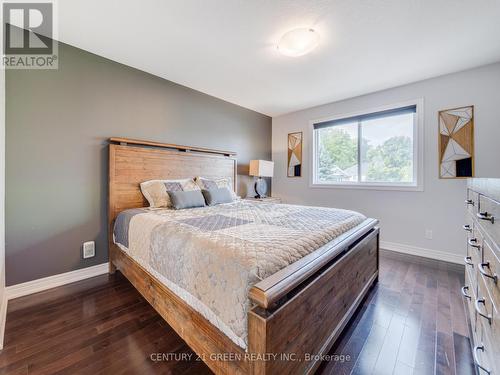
{"points": [[133, 161]]}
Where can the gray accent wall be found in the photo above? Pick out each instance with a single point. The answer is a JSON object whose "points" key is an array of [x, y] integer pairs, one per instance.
{"points": [[57, 124]]}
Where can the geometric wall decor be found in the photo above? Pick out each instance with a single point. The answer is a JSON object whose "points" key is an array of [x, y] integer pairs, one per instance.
{"points": [[294, 154], [456, 142]]}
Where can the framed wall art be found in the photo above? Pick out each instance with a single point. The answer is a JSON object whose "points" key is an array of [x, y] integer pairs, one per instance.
{"points": [[294, 154], [456, 142]]}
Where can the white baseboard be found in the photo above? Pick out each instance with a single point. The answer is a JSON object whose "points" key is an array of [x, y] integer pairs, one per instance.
{"points": [[3, 317], [422, 252], [35, 286]]}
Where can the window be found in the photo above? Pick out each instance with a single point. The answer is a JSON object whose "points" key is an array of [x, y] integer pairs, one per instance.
{"points": [[375, 149]]}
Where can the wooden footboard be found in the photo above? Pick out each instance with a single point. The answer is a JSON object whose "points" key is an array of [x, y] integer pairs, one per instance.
{"points": [[303, 324]]}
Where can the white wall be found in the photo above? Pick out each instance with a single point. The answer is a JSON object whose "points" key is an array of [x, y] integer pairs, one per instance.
{"points": [[404, 216]]}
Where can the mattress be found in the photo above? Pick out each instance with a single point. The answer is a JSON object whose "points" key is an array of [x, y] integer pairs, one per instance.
{"points": [[211, 256]]}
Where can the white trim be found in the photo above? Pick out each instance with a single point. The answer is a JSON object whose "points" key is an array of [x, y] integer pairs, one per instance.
{"points": [[368, 186], [418, 147], [35, 286], [3, 318], [422, 252]]}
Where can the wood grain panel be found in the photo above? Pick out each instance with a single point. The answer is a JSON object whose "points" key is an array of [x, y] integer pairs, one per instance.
{"points": [[310, 321], [267, 291], [169, 145], [131, 165]]}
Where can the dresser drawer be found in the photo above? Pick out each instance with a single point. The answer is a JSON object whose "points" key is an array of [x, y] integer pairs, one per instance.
{"points": [[469, 293], [488, 319], [471, 273], [491, 356], [472, 201], [482, 354], [484, 307], [489, 270], [469, 223], [488, 217], [474, 249]]}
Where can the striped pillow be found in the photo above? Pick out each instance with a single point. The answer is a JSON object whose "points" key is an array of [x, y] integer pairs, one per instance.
{"points": [[215, 183], [156, 191]]}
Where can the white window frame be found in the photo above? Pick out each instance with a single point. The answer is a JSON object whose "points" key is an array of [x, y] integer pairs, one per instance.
{"points": [[418, 154]]}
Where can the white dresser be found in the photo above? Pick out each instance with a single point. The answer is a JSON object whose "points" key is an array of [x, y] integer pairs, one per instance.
{"points": [[482, 271]]}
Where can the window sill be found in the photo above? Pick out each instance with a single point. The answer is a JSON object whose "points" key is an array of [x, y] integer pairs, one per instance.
{"points": [[368, 187]]}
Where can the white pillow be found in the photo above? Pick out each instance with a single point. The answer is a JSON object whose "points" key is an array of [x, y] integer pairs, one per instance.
{"points": [[155, 191], [217, 182]]}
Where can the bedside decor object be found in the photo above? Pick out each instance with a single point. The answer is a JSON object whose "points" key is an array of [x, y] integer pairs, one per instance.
{"points": [[294, 154], [261, 168], [456, 142]]}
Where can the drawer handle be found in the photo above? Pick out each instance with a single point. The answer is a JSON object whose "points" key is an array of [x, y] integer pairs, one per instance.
{"points": [[476, 361], [467, 260], [486, 216], [467, 228], [469, 201], [464, 290], [478, 309], [473, 243], [482, 266]]}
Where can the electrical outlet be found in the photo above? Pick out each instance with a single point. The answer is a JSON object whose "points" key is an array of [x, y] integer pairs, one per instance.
{"points": [[88, 249], [428, 234]]}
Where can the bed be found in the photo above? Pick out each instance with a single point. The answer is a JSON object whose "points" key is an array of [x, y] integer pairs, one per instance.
{"points": [[253, 288]]}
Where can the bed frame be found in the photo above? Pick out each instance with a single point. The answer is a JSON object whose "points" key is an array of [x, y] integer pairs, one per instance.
{"points": [[299, 311]]}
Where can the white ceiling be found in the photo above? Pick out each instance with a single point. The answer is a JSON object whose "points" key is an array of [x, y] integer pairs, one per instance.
{"points": [[226, 48]]}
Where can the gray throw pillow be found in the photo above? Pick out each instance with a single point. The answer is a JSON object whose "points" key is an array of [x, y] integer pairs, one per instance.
{"points": [[217, 196], [186, 199]]}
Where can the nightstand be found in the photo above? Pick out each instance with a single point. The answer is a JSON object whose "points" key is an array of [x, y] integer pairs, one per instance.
{"points": [[266, 199]]}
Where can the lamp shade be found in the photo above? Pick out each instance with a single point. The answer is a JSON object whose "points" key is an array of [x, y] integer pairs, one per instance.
{"points": [[261, 168]]}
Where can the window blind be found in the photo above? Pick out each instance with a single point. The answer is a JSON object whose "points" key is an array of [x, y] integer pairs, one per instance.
{"points": [[368, 116]]}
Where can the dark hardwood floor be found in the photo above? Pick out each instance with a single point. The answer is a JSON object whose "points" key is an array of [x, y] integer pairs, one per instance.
{"points": [[413, 321]]}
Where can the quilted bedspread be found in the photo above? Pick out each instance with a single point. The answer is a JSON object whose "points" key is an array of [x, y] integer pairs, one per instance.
{"points": [[211, 256]]}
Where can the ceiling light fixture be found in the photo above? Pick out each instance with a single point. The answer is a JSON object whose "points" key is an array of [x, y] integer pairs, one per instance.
{"points": [[298, 42]]}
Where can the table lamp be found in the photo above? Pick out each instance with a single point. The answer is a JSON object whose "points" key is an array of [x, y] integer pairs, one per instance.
{"points": [[261, 168]]}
